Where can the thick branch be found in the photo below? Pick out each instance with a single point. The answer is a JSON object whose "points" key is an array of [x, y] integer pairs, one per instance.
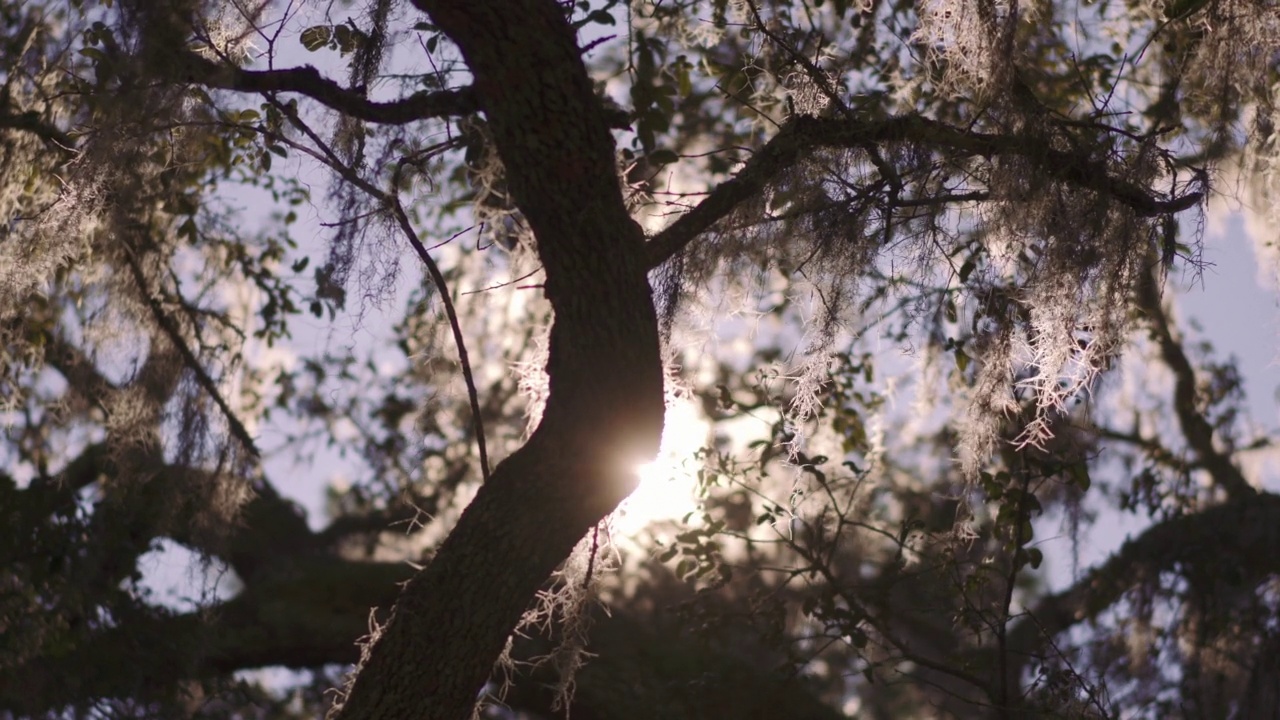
{"points": [[80, 372], [30, 122], [1237, 542], [306, 618], [315, 615], [271, 534], [308, 81], [803, 134]]}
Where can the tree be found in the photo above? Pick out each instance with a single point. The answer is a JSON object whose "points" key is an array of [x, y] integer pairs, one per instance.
{"points": [[1003, 184]]}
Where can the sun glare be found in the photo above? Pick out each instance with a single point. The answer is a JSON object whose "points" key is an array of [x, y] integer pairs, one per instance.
{"points": [[668, 483]]}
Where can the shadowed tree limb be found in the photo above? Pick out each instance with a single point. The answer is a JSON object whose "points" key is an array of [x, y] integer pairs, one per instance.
{"points": [[308, 81], [314, 616], [804, 134], [30, 122], [1196, 429], [1239, 538]]}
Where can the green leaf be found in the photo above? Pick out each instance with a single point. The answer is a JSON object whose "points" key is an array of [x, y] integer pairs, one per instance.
{"points": [[314, 38], [1034, 557], [348, 37], [663, 157], [1080, 476]]}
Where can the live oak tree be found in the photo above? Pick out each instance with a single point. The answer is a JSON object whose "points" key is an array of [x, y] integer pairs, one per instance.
{"points": [[581, 187]]}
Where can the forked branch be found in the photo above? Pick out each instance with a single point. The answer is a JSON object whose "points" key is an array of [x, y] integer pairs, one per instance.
{"points": [[804, 134]]}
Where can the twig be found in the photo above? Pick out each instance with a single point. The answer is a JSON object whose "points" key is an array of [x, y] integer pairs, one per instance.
{"points": [[392, 201], [451, 313]]}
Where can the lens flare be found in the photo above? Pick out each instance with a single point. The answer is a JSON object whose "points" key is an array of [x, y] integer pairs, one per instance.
{"points": [[667, 483]]}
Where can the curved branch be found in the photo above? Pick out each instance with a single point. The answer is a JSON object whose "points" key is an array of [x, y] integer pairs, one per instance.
{"points": [[1240, 538], [1195, 427], [392, 202], [308, 81], [804, 134]]}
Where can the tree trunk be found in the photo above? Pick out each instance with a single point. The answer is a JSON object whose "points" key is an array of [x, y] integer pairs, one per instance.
{"points": [[604, 410]]}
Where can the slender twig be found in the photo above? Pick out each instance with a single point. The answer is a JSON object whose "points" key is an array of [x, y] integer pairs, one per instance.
{"points": [[442, 287]]}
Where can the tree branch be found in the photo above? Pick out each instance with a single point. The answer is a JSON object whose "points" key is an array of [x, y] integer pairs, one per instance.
{"points": [[803, 134], [30, 122], [1236, 542], [642, 667], [308, 81], [1195, 427], [308, 617], [171, 330]]}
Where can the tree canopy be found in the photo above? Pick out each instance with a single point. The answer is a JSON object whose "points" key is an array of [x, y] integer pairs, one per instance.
{"points": [[562, 227]]}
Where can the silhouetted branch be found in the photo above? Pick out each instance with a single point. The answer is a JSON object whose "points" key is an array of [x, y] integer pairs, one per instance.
{"points": [[1195, 427], [170, 328], [308, 81], [30, 122], [803, 134], [1241, 537]]}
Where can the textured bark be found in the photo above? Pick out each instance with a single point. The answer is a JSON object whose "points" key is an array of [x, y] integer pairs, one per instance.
{"points": [[604, 410]]}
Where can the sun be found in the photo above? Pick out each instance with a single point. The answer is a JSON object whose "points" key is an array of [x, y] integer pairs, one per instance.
{"points": [[668, 483]]}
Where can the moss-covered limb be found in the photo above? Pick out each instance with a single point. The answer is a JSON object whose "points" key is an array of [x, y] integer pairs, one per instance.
{"points": [[1235, 544], [31, 121], [268, 534], [803, 134], [314, 616]]}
